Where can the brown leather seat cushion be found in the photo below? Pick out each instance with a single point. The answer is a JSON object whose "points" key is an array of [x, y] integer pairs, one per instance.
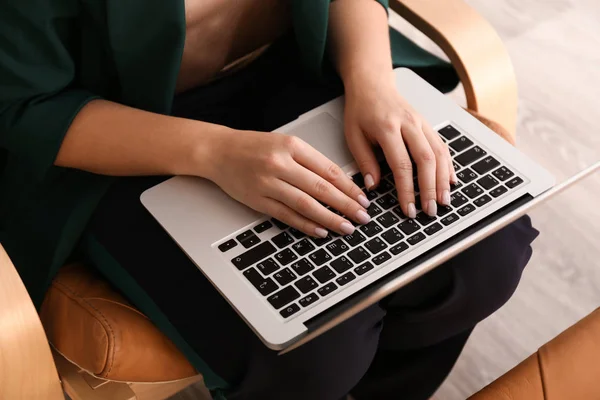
{"points": [[93, 326], [567, 367]]}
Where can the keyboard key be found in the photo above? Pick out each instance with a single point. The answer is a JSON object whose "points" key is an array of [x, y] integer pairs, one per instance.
{"points": [[296, 233], [392, 236], [398, 211], [364, 268], [373, 210], [285, 257], [338, 247], [455, 186], [303, 247], [424, 219], [469, 208], [279, 224], [321, 241], [289, 310], [381, 258], [372, 195], [384, 187], [443, 210], [470, 155], [282, 240], [325, 290], [283, 297], [399, 248], [341, 264], [449, 132], [376, 245], [264, 285], [371, 229], [487, 182], [457, 199], [466, 175], [267, 267], [358, 255], [414, 239], [228, 245], [431, 229], [454, 164], [409, 226], [308, 300], [245, 235], [253, 255], [320, 257], [485, 165], [355, 239], [499, 191], [388, 201], [248, 239], [450, 219], [284, 276], [324, 274], [260, 228], [514, 182], [346, 278], [472, 190], [306, 284], [388, 219], [359, 180], [302, 267], [503, 173], [461, 143], [483, 200], [418, 202]]}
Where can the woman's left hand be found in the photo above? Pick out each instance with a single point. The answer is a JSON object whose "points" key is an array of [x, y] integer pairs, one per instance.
{"points": [[377, 115]]}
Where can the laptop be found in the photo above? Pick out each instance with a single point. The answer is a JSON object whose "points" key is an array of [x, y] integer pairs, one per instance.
{"points": [[290, 288]]}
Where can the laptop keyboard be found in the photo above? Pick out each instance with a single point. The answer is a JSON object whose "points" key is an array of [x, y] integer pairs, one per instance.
{"points": [[293, 271]]}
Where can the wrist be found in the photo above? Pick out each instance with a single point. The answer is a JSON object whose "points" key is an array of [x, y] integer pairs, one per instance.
{"points": [[357, 78]]}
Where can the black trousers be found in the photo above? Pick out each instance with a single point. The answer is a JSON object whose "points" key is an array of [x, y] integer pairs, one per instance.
{"points": [[403, 347]]}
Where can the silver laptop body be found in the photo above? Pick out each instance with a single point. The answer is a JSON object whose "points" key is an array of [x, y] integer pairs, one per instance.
{"points": [[290, 288]]}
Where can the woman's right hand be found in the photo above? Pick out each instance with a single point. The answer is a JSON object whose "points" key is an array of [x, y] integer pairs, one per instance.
{"points": [[283, 176]]}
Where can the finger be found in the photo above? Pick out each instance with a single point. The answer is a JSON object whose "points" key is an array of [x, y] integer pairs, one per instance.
{"points": [[308, 207], [315, 161], [323, 190], [398, 159], [453, 177], [424, 157], [290, 217], [362, 150], [442, 172]]}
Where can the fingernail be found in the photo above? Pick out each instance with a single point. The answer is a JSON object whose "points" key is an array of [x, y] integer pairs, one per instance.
{"points": [[431, 208], [320, 232], [446, 198], [454, 177], [369, 181], [412, 210], [363, 201], [363, 217], [347, 228]]}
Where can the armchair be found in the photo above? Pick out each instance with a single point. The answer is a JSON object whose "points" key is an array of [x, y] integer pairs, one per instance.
{"points": [[83, 362]]}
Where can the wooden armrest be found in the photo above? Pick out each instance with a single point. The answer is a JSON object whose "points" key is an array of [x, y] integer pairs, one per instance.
{"points": [[27, 369], [475, 50]]}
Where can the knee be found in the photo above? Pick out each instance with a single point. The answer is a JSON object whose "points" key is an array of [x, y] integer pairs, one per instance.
{"points": [[326, 368], [492, 269]]}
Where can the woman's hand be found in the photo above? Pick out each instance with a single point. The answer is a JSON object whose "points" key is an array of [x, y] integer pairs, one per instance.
{"points": [[284, 177], [377, 115]]}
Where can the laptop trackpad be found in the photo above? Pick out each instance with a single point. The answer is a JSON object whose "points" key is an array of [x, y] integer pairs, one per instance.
{"points": [[326, 134]]}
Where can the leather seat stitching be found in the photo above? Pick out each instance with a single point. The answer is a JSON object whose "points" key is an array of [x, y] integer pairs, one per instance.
{"points": [[73, 295]]}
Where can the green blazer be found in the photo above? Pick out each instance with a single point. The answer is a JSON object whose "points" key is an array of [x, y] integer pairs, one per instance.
{"points": [[56, 56]]}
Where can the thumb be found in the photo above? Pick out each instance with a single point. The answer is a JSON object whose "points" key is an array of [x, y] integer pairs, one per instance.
{"points": [[363, 153]]}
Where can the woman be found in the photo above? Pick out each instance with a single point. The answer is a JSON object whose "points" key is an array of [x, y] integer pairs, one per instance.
{"points": [[102, 99]]}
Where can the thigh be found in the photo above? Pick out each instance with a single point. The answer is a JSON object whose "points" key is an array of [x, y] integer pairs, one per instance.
{"points": [[457, 295], [327, 368]]}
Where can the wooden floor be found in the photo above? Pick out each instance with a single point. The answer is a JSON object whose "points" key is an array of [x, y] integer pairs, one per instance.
{"points": [[555, 46]]}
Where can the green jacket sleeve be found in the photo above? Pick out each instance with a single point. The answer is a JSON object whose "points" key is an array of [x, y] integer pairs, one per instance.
{"points": [[38, 94], [311, 19]]}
